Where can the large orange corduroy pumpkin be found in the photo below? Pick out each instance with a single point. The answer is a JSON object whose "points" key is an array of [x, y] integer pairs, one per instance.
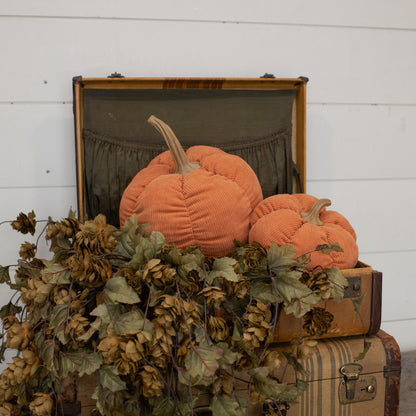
{"points": [[302, 220], [202, 197]]}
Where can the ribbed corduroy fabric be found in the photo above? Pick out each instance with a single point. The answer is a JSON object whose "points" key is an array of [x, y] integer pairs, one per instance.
{"points": [[277, 219], [210, 206]]}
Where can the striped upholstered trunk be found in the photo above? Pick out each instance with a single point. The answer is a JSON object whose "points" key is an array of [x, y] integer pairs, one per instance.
{"points": [[376, 391]]}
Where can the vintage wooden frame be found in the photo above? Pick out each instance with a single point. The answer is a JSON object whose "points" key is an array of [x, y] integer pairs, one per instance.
{"points": [[298, 117]]}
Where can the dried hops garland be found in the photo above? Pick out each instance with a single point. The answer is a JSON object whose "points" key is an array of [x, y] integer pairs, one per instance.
{"points": [[160, 327]]}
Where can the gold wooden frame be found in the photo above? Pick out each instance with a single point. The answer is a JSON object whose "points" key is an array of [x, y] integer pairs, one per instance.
{"points": [[299, 111]]}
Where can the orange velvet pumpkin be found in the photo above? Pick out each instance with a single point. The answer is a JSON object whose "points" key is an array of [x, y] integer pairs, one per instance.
{"points": [[204, 197], [302, 220]]}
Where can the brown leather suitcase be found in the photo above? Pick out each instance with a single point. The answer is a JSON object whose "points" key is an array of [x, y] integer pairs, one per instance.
{"points": [[110, 121]]}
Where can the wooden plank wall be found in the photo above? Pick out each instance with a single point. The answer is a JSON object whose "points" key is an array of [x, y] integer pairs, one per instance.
{"points": [[359, 56]]}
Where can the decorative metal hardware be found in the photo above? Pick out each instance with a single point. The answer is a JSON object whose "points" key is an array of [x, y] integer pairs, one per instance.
{"points": [[355, 387], [267, 75], [115, 75], [353, 290]]}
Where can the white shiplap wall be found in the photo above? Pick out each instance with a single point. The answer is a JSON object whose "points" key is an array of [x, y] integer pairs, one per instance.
{"points": [[360, 58]]}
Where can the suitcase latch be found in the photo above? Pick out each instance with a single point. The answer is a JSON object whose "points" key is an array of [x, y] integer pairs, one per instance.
{"points": [[356, 388]]}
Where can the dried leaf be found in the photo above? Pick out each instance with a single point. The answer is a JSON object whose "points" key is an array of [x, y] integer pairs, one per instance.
{"points": [[55, 273], [164, 406], [294, 392], [4, 274], [297, 366], [298, 298], [264, 384], [130, 236], [228, 357], [223, 267], [200, 364], [362, 355], [81, 362], [262, 291], [118, 291], [226, 406], [328, 248], [110, 379], [131, 323], [339, 283], [10, 309], [358, 303], [283, 256]]}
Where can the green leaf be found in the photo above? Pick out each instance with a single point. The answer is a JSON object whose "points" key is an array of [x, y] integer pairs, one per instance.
{"points": [[158, 241], [294, 392], [81, 362], [297, 297], [185, 407], [58, 316], [55, 273], [264, 384], [226, 406], [358, 303], [338, 283], [262, 291], [228, 357], [131, 323], [328, 248], [297, 366], [164, 406], [110, 379], [26, 269], [362, 355], [186, 268], [72, 213], [4, 274], [118, 291], [144, 252], [10, 309], [130, 236], [223, 267], [47, 354], [105, 313], [200, 364], [283, 256], [300, 306]]}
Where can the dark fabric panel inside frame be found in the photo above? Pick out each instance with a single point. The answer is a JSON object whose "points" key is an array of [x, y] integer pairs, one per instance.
{"points": [[118, 141]]}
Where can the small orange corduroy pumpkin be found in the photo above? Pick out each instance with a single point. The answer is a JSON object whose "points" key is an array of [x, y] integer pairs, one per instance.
{"points": [[302, 220], [202, 197]]}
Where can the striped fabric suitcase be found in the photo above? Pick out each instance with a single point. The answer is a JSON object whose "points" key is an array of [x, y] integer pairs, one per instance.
{"points": [[341, 386]]}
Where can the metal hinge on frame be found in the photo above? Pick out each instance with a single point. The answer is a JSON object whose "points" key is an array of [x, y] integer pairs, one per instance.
{"points": [[115, 75]]}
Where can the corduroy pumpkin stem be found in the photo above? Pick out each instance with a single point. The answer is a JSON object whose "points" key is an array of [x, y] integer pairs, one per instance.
{"points": [[312, 216], [182, 163]]}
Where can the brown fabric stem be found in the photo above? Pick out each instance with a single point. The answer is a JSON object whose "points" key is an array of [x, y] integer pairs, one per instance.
{"points": [[312, 216], [182, 163]]}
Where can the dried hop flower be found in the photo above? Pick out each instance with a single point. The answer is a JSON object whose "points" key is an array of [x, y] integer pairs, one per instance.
{"points": [[9, 409], [318, 282], [41, 405], [252, 255], [25, 223], [218, 329], [27, 250], [303, 348], [151, 382], [96, 236], [317, 322], [213, 295], [68, 227]]}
